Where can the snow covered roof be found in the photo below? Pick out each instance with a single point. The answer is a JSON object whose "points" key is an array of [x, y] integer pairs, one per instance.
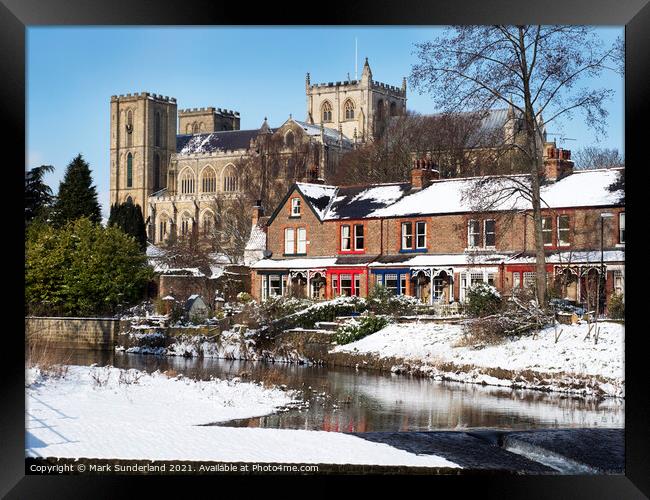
{"points": [[433, 260], [588, 188], [315, 131], [225, 140], [573, 257], [311, 263]]}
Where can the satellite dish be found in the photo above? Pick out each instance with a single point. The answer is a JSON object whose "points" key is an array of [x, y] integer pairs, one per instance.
{"points": [[267, 253]]}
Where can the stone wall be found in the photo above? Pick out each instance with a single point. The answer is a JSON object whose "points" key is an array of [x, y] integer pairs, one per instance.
{"points": [[73, 333]]}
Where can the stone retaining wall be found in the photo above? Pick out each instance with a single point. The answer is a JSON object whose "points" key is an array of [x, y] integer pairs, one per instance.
{"points": [[73, 333]]}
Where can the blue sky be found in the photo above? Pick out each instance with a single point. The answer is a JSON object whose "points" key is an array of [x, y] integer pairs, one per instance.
{"points": [[73, 71]]}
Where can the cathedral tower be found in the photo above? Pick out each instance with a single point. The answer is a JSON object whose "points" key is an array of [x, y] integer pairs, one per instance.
{"points": [[358, 108], [143, 138]]}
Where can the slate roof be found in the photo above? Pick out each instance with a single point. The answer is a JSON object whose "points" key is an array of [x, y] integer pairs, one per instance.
{"points": [[583, 188], [226, 140]]}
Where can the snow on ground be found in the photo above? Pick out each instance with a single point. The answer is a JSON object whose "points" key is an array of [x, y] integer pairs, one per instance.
{"points": [[90, 413], [573, 357]]}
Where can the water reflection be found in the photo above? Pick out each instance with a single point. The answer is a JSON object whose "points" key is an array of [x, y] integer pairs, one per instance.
{"points": [[346, 400]]}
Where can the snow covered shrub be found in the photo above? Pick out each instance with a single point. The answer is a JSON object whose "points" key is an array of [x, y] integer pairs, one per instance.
{"points": [[326, 311], [354, 330], [482, 300], [278, 307], [616, 307], [383, 301]]}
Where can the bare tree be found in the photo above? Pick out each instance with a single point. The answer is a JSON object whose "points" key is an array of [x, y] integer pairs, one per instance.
{"points": [[229, 233], [538, 70], [595, 157]]}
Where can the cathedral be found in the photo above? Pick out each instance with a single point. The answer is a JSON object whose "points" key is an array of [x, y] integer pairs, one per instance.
{"points": [[181, 166]]}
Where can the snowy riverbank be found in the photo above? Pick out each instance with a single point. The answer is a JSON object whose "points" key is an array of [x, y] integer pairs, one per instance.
{"points": [[572, 364], [107, 413]]}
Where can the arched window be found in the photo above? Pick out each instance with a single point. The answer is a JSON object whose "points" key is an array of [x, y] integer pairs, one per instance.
{"points": [[195, 128], [208, 180], [156, 172], [349, 110], [289, 139], [157, 132], [129, 128], [393, 109], [230, 183], [380, 109], [129, 170], [207, 223], [327, 111], [162, 225], [186, 225], [187, 182]]}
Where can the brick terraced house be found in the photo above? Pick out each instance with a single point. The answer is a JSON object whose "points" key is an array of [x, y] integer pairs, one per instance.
{"points": [[425, 238]]}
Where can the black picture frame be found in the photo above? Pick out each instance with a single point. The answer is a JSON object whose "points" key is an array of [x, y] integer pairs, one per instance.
{"points": [[17, 15]]}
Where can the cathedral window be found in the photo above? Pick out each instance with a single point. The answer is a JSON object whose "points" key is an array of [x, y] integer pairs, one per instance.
{"points": [[156, 172], [209, 180], [327, 112], [230, 182], [207, 223], [186, 225], [157, 129], [349, 110], [187, 182], [289, 139], [129, 170]]}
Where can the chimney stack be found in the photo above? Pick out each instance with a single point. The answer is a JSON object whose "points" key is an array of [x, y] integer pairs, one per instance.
{"points": [[423, 173], [557, 162], [258, 212]]}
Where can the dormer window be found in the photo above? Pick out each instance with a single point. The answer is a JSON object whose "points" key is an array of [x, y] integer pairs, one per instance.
{"points": [[295, 207]]}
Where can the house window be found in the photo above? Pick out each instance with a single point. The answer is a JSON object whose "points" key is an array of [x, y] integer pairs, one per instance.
{"points": [[516, 280], [621, 227], [302, 240], [421, 234], [473, 233], [335, 285], [407, 235], [563, 230], [358, 237], [390, 282], [547, 230], [289, 240], [529, 279], [489, 232], [346, 284], [276, 285], [129, 170], [438, 288], [327, 112], [295, 207], [345, 239], [357, 284], [619, 282]]}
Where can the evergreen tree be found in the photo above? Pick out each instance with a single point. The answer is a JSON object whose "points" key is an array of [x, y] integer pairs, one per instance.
{"points": [[128, 217], [38, 195], [77, 196], [82, 269]]}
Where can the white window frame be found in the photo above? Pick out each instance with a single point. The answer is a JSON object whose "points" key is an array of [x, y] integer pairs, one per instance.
{"points": [[477, 234], [347, 238], [548, 230], [485, 233], [560, 241], [346, 276], [357, 236], [392, 277], [301, 240], [289, 242], [295, 207], [418, 234], [621, 228], [406, 235]]}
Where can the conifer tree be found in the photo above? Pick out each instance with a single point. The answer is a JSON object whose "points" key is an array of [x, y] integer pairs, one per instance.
{"points": [[128, 217], [38, 195], [77, 195]]}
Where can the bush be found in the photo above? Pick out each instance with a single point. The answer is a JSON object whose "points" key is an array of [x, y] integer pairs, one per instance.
{"points": [[244, 297], [355, 330], [383, 301], [616, 306], [482, 300], [275, 308]]}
